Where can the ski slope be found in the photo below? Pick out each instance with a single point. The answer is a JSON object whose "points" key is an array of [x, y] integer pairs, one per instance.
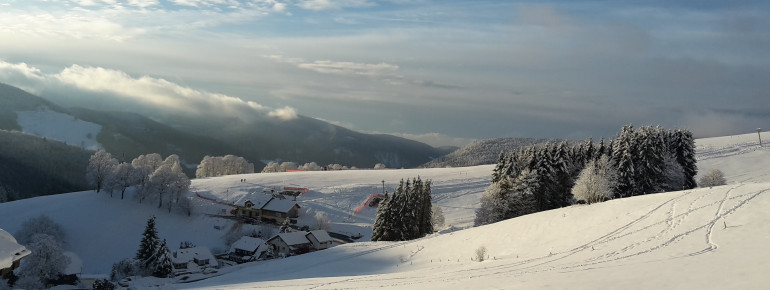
{"points": [[707, 238]]}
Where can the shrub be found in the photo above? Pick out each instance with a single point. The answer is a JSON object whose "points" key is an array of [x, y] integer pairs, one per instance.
{"points": [[713, 177]]}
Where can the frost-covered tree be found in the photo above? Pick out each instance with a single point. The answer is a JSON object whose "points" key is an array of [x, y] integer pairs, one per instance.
{"points": [[674, 176], [144, 166], [272, 167], [312, 166], [149, 245], [322, 221], [288, 166], [122, 178], [100, 166], [45, 263], [380, 166], [223, 165], [40, 225], [162, 267], [596, 182], [713, 177], [438, 217]]}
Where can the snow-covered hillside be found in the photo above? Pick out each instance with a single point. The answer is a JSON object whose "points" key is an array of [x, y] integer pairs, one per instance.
{"points": [[713, 238], [60, 126]]}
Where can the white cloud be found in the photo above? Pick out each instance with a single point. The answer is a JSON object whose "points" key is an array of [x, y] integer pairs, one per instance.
{"points": [[279, 7], [347, 68], [318, 5], [143, 3], [145, 91], [350, 68], [286, 113], [24, 69], [84, 25]]}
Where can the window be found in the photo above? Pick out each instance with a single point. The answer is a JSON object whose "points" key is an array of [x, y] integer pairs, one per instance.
{"points": [[278, 214]]}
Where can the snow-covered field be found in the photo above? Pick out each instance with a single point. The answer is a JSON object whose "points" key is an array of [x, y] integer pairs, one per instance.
{"points": [[709, 238], [59, 126]]}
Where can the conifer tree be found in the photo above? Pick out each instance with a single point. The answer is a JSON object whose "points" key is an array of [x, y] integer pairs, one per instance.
{"points": [[149, 244], [162, 267]]}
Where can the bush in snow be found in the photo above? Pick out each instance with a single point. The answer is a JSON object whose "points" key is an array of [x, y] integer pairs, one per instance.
{"points": [[322, 221], [126, 268], [100, 166], [380, 166], [103, 284], [46, 263], [480, 252], [40, 225], [713, 177], [596, 182]]}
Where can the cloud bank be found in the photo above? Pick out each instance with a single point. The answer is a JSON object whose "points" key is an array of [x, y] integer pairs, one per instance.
{"points": [[145, 91]]}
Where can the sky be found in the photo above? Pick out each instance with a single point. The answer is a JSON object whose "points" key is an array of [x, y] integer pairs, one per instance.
{"points": [[442, 72]]}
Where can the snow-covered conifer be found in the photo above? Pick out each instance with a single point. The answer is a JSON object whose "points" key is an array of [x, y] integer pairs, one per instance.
{"points": [[149, 244], [162, 266]]}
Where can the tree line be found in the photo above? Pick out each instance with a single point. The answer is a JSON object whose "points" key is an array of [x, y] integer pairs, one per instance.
{"points": [[639, 161]]}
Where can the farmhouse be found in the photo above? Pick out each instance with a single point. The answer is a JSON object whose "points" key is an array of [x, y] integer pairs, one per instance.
{"points": [[278, 210], [320, 239], [287, 244], [247, 249], [193, 260], [11, 252], [269, 209], [294, 243]]}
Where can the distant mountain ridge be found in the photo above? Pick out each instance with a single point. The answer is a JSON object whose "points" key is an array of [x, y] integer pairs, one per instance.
{"points": [[482, 152], [128, 135]]}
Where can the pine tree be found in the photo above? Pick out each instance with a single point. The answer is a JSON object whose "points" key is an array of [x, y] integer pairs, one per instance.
{"points": [[682, 146], [426, 216], [149, 244], [162, 267]]}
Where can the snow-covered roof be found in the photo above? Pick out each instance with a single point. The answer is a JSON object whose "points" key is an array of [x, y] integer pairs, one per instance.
{"points": [[187, 255], [293, 238], [321, 235], [259, 200], [10, 250], [247, 244], [279, 205]]}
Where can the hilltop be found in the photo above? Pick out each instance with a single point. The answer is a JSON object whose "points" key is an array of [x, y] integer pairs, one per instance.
{"points": [[702, 238]]}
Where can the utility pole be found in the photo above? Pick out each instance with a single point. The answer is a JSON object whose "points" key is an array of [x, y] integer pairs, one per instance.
{"points": [[760, 136]]}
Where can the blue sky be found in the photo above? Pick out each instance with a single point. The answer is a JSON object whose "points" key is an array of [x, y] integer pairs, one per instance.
{"points": [[442, 72]]}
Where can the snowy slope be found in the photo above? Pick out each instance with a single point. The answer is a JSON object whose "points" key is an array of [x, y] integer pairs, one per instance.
{"points": [[60, 126], [673, 240]]}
